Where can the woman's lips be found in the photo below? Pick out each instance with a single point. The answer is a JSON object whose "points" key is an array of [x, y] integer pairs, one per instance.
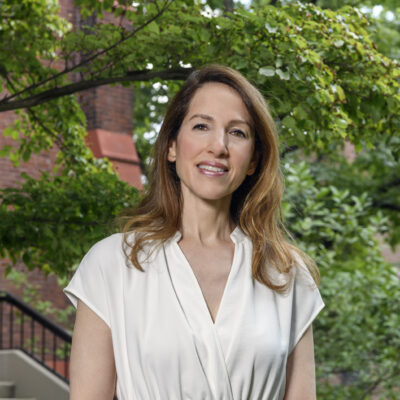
{"points": [[212, 168]]}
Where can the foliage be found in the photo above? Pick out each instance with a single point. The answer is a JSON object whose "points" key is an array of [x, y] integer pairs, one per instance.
{"points": [[357, 342], [384, 31], [30, 296], [150, 103], [52, 221], [375, 173], [303, 58], [330, 75]]}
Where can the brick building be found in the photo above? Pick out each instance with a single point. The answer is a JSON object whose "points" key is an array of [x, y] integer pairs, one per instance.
{"points": [[109, 113]]}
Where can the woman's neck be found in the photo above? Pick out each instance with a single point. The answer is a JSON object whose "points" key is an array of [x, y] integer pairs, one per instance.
{"points": [[206, 221]]}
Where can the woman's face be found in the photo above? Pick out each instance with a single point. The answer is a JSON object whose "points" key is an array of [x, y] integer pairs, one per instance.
{"points": [[214, 149]]}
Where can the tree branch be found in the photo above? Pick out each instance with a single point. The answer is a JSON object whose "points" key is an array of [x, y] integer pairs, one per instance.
{"points": [[87, 60], [288, 150], [387, 206], [378, 381], [389, 185], [47, 95]]}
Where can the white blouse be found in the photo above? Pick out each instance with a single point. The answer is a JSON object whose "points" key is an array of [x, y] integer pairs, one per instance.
{"points": [[166, 345]]}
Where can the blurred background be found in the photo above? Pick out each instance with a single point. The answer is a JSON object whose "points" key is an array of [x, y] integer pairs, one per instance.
{"points": [[84, 85]]}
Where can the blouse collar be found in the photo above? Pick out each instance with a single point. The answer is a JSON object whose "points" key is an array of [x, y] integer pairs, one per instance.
{"points": [[237, 235]]}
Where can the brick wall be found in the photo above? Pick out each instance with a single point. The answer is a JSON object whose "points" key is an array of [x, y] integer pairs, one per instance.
{"points": [[110, 124], [11, 177], [108, 108], [109, 120]]}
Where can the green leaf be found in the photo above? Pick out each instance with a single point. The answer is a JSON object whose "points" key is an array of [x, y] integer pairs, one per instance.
{"points": [[153, 28], [300, 113], [5, 150], [338, 43], [289, 122], [271, 29], [283, 75], [267, 71]]}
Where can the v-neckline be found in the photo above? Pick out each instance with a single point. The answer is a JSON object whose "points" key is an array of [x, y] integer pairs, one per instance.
{"points": [[233, 236]]}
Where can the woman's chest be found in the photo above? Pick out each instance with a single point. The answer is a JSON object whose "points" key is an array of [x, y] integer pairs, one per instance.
{"points": [[211, 267], [163, 326], [165, 318]]}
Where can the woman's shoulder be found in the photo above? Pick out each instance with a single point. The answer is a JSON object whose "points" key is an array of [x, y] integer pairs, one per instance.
{"points": [[108, 246], [106, 256], [301, 273], [116, 249]]}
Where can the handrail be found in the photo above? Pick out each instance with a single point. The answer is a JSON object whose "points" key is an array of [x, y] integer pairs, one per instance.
{"points": [[40, 318], [27, 332]]}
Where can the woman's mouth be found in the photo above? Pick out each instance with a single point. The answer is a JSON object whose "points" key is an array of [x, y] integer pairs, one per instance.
{"points": [[212, 169]]}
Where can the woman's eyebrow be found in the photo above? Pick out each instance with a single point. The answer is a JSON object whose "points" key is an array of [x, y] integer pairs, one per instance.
{"points": [[209, 118], [203, 116]]}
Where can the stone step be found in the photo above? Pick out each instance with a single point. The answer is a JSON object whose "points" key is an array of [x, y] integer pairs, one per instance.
{"points": [[7, 389]]}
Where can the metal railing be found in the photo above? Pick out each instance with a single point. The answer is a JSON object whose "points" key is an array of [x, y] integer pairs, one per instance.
{"points": [[23, 328]]}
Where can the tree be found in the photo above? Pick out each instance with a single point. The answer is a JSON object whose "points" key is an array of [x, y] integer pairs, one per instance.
{"points": [[326, 81]]}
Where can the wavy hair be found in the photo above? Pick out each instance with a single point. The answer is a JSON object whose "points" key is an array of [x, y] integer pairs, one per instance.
{"points": [[255, 205]]}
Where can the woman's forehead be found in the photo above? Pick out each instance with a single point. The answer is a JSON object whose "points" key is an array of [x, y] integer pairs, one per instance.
{"points": [[216, 100]]}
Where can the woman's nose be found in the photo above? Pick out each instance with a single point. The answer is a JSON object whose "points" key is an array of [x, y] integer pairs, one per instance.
{"points": [[219, 143]]}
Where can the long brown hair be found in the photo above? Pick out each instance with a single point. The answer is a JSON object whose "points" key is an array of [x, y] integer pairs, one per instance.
{"points": [[256, 204]]}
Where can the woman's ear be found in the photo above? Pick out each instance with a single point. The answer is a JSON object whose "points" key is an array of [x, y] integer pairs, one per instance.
{"points": [[253, 164], [172, 151]]}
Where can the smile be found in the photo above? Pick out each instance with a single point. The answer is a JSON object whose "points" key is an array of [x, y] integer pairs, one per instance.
{"points": [[212, 169], [209, 168]]}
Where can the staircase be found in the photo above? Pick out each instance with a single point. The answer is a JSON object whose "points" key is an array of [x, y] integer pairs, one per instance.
{"points": [[7, 391], [23, 378], [34, 353]]}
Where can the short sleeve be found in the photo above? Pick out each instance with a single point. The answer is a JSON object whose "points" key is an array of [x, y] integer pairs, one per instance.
{"points": [[307, 303], [88, 284]]}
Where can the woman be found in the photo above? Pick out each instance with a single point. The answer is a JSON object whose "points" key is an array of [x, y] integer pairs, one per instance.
{"points": [[214, 303]]}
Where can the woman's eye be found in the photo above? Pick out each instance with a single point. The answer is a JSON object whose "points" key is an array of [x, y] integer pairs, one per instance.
{"points": [[238, 132], [201, 127]]}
